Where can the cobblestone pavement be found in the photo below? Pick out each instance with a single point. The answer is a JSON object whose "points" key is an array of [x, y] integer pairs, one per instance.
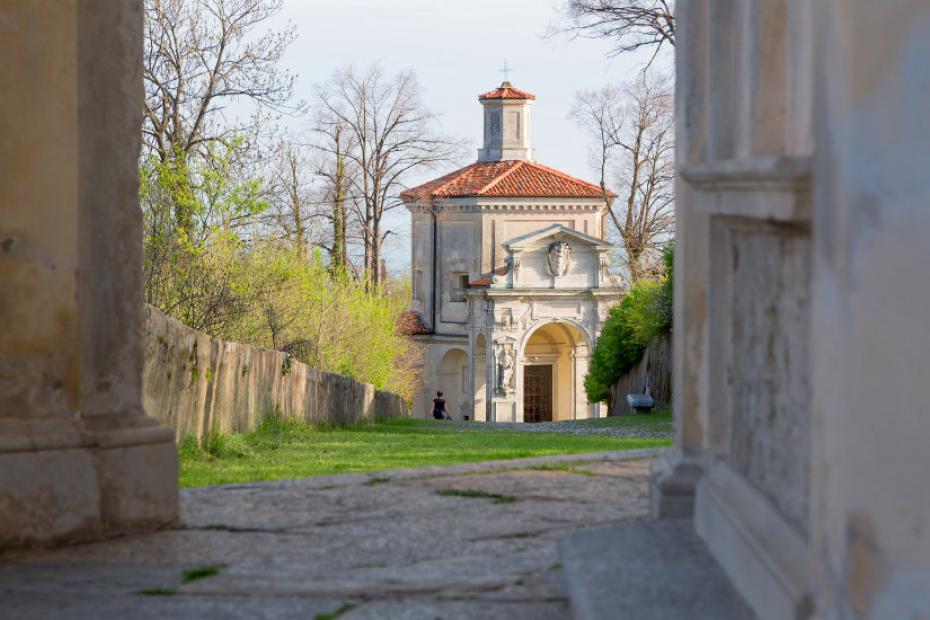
{"points": [[467, 541]]}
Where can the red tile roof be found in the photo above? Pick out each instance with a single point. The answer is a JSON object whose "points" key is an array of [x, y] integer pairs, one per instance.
{"points": [[412, 324], [505, 179], [486, 280], [506, 91]]}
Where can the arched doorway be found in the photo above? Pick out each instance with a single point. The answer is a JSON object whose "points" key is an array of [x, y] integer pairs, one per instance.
{"points": [[453, 381], [553, 363]]}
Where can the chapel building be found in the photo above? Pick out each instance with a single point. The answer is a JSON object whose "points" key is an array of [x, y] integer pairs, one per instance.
{"points": [[510, 278]]}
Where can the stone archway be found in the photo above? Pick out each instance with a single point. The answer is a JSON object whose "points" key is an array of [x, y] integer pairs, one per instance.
{"points": [[552, 363], [453, 381]]}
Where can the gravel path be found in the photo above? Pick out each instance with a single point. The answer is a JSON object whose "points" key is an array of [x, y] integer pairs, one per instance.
{"points": [[477, 540], [581, 427]]}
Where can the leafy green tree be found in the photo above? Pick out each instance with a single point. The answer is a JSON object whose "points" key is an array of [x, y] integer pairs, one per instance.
{"points": [[195, 215], [643, 314]]}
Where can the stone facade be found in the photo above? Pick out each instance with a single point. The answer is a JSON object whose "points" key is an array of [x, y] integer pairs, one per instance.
{"points": [[79, 458], [509, 272], [801, 342]]}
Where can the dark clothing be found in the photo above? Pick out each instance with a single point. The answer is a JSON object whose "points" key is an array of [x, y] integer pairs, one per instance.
{"points": [[439, 408]]}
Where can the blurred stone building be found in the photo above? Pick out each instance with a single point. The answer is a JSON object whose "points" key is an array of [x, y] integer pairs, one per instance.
{"points": [[801, 342]]}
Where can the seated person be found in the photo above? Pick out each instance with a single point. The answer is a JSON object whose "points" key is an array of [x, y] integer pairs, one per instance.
{"points": [[439, 408]]}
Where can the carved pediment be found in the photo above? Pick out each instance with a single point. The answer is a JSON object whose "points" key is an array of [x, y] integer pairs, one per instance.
{"points": [[557, 233], [557, 257]]}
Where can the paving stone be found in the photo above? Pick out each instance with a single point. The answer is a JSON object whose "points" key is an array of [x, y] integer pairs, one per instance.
{"points": [[648, 570], [394, 548]]}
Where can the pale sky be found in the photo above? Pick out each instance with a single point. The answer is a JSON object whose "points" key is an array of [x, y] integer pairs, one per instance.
{"points": [[456, 48]]}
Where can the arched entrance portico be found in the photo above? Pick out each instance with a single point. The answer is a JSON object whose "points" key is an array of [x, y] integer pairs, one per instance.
{"points": [[453, 381], [553, 361]]}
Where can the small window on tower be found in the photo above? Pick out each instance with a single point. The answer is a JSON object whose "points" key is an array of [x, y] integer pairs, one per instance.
{"points": [[459, 284]]}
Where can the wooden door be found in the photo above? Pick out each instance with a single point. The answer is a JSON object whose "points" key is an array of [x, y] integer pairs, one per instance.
{"points": [[537, 394]]}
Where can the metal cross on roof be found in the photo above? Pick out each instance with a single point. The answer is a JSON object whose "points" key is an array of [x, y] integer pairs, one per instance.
{"points": [[506, 71]]}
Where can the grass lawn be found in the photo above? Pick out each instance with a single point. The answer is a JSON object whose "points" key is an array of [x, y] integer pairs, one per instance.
{"points": [[281, 449], [658, 421]]}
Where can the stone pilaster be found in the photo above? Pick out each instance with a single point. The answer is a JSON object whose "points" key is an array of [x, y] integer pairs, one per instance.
{"points": [[78, 456], [676, 472]]}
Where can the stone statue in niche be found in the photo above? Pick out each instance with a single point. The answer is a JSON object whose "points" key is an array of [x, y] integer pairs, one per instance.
{"points": [[604, 263], [504, 372], [560, 256]]}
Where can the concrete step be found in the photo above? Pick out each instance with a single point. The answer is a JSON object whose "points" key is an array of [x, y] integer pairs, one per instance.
{"points": [[648, 570]]}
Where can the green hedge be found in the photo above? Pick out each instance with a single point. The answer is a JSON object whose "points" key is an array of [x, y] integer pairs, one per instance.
{"points": [[645, 312]]}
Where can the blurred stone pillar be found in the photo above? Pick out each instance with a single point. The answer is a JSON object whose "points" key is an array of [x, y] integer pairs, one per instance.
{"points": [[871, 294], [78, 456], [676, 472]]}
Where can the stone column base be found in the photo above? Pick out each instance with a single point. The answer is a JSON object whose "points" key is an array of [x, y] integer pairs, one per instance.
{"points": [[78, 486], [672, 483], [504, 410]]}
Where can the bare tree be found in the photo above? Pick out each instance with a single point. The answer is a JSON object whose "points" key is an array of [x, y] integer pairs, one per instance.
{"points": [[632, 130], [293, 202], [200, 194], [340, 176], [392, 135], [202, 55], [631, 24]]}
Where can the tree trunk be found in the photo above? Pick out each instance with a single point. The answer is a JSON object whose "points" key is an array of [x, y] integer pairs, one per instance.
{"points": [[376, 254], [300, 232], [338, 256]]}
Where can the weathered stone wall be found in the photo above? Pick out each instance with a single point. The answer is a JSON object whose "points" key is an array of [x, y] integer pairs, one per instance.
{"points": [[197, 384], [769, 368], [656, 366]]}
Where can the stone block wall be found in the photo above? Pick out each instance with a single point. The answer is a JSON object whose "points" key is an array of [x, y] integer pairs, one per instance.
{"points": [[197, 384], [656, 367]]}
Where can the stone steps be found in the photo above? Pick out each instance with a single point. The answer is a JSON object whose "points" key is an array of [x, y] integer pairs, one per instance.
{"points": [[648, 570]]}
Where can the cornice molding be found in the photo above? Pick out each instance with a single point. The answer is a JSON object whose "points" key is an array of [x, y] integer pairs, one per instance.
{"points": [[758, 188]]}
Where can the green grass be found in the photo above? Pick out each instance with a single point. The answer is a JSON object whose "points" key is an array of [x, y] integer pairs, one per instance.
{"points": [[657, 421], [497, 498], [193, 574], [281, 449], [571, 469], [201, 572], [335, 614]]}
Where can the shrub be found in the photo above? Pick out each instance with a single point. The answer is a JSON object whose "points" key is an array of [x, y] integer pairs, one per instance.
{"points": [[645, 313], [226, 445]]}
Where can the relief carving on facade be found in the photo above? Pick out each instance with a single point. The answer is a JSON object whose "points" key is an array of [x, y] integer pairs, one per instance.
{"points": [[603, 311], [604, 266], [512, 265], [560, 258], [505, 321]]}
